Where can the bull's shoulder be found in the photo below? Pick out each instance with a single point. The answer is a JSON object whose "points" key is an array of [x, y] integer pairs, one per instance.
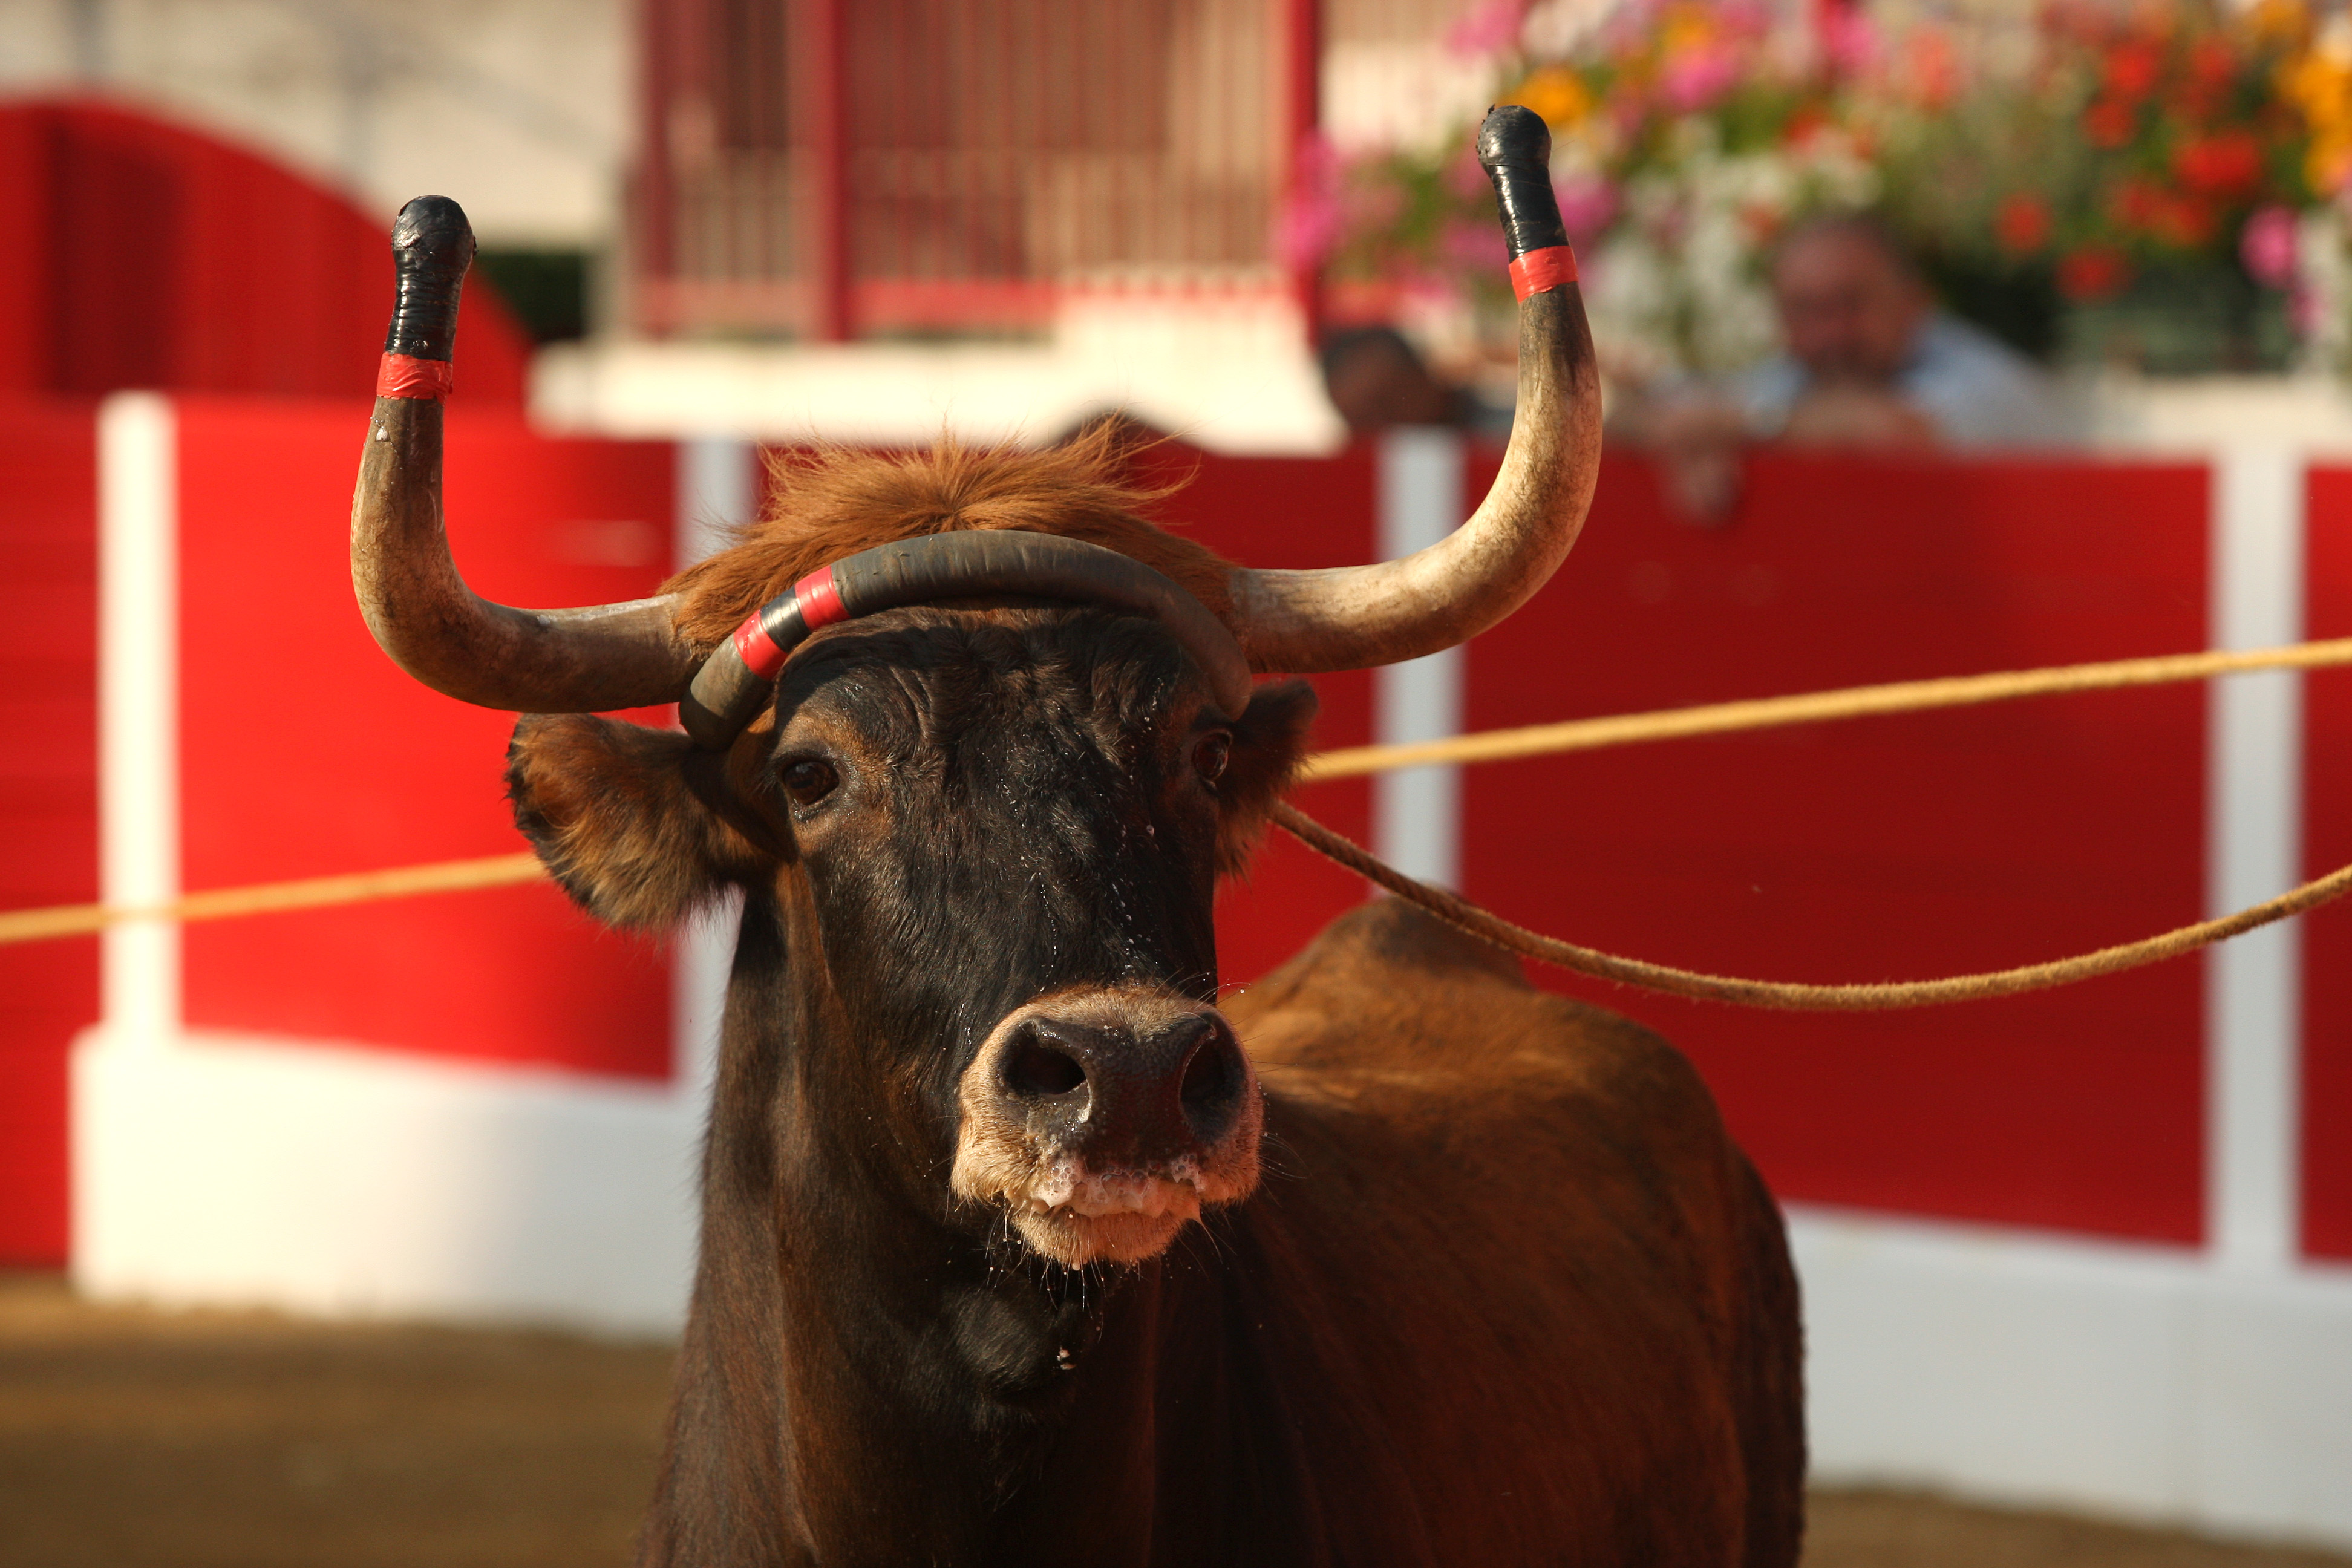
{"points": [[1390, 1000]]}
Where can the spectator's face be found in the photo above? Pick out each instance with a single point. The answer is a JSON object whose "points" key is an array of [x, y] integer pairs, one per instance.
{"points": [[1376, 386], [1849, 312]]}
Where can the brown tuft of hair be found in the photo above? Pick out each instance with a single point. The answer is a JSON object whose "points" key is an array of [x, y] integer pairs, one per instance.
{"points": [[834, 501]]}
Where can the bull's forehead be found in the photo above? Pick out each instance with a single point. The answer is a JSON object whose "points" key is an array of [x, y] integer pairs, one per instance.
{"points": [[1028, 691], [1012, 813]]}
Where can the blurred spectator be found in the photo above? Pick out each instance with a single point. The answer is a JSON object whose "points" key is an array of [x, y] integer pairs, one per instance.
{"points": [[1376, 379], [1869, 362]]}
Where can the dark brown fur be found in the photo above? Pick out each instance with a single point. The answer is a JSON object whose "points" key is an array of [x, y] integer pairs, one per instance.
{"points": [[1507, 1295]]}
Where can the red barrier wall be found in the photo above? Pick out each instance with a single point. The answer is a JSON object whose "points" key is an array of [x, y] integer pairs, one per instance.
{"points": [[1885, 848], [305, 751], [1287, 513], [145, 254], [2328, 844], [48, 798]]}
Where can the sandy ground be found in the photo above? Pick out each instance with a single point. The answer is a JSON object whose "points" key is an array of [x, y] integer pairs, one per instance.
{"points": [[143, 1439]]}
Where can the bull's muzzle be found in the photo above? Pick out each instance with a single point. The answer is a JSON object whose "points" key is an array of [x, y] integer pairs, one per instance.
{"points": [[1104, 1121]]}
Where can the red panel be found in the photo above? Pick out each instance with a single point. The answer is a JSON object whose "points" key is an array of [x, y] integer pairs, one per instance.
{"points": [[1287, 512], [160, 257], [306, 753], [48, 799], [1888, 848], [2328, 844]]}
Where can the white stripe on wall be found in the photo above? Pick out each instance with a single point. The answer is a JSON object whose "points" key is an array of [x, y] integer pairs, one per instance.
{"points": [[2253, 985], [718, 489], [138, 704], [1417, 812]]}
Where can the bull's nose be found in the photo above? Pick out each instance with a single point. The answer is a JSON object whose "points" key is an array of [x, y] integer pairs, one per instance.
{"points": [[1126, 1093]]}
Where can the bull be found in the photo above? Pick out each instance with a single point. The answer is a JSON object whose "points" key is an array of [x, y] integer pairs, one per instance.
{"points": [[1015, 1246]]}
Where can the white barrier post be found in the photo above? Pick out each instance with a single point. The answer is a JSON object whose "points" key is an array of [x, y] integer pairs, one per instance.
{"points": [[2253, 985], [718, 491], [139, 718], [1417, 812]]}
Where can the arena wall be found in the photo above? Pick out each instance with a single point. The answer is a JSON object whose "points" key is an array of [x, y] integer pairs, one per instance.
{"points": [[2085, 1249]]}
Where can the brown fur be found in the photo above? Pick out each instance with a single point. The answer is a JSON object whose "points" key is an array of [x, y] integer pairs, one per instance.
{"points": [[1508, 1293], [834, 503], [1574, 1286]]}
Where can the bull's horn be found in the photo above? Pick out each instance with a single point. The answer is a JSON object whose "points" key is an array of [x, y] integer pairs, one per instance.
{"points": [[1354, 617], [740, 679], [585, 660]]}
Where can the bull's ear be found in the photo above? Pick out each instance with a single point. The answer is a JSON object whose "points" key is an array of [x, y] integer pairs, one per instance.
{"points": [[1268, 741], [627, 817]]}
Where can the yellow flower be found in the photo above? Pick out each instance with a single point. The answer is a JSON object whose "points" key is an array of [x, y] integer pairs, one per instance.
{"points": [[1556, 93], [1687, 27], [2328, 162], [2278, 21], [2321, 86]]}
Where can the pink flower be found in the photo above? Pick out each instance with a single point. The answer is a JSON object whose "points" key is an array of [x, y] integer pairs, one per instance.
{"points": [[1848, 40], [1311, 221], [2267, 247], [1696, 78], [1587, 203], [1488, 30]]}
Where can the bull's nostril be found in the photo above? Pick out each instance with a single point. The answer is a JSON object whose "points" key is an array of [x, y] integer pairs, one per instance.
{"points": [[1211, 1078], [1034, 1069]]}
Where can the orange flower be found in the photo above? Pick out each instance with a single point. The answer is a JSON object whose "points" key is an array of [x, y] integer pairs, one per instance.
{"points": [[2110, 124], [2023, 225], [2094, 272]]}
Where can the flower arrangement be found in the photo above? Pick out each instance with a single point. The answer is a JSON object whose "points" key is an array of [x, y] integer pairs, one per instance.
{"points": [[2056, 170]]}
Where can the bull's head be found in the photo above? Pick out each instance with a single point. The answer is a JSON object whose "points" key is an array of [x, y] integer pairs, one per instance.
{"points": [[976, 742]]}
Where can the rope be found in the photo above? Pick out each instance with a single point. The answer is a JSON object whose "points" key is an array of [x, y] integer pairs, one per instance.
{"points": [[1581, 734], [1817, 707], [315, 892], [1868, 998]]}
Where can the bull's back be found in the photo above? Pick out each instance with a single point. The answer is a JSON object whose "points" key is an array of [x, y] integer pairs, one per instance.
{"points": [[1526, 1300]]}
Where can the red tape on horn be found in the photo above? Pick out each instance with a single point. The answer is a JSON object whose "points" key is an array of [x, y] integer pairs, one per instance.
{"points": [[1539, 270], [404, 375], [757, 649], [819, 597]]}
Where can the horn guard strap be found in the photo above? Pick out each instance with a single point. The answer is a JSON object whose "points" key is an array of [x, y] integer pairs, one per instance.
{"points": [[738, 677], [1540, 271], [402, 375], [1514, 149]]}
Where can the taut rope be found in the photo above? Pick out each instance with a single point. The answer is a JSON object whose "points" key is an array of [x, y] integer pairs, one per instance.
{"points": [[266, 898], [1817, 707], [1581, 734], [1866, 998]]}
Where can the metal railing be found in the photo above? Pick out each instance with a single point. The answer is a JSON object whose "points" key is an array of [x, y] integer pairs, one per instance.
{"points": [[827, 171]]}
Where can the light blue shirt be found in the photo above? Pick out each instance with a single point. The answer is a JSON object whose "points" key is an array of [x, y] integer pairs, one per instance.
{"points": [[1977, 390]]}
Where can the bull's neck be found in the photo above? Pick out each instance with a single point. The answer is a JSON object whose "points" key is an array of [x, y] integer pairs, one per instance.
{"points": [[927, 1392]]}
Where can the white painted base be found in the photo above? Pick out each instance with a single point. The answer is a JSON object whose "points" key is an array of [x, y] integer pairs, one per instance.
{"points": [[2137, 1382], [223, 1171], [2132, 1381]]}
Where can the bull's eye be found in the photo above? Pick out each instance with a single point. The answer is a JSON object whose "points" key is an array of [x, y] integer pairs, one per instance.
{"points": [[808, 781], [1210, 756]]}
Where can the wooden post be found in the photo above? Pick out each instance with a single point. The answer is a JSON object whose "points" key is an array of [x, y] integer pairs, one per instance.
{"points": [[653, 216], [1301, 116], [827, 209]]}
